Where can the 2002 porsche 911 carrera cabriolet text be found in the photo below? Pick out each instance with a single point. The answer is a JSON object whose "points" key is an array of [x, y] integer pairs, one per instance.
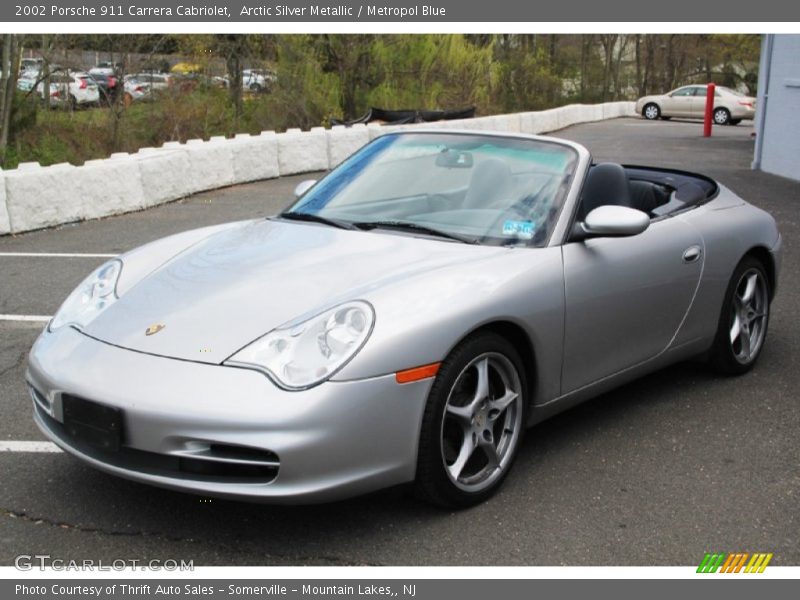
{"points": [[405, 320]]}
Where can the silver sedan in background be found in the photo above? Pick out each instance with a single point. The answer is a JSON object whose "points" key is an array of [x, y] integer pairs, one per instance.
{"points": [[405, 321], [689, 101]]}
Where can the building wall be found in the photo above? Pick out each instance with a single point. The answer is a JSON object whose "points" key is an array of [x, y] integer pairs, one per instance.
{"points": [[778, 119]]}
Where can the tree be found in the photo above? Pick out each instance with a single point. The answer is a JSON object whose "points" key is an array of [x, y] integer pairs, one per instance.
{"points": [[8, 88]]}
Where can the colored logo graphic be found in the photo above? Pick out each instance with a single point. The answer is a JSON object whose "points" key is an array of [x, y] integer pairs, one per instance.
{"points": [[735, 562]]}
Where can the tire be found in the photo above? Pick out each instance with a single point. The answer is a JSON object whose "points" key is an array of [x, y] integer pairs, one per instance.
{"points": [[743, 320], [471, 431], [651, 111], [734, 121], [255, 88], [722, 116]]}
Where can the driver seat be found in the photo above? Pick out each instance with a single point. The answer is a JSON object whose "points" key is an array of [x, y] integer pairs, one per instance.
{"points": [[606, 184]]}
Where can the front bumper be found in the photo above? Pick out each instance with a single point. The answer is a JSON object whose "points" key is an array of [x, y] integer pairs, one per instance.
{"points": [[336, 440]]}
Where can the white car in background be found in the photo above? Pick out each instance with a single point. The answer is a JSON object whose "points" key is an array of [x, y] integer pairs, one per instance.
{"points": [[27, 81], [258, 80], [136, 90], [155, 81], [31, 64], [689, 101], [75, 88], [106, 68]]}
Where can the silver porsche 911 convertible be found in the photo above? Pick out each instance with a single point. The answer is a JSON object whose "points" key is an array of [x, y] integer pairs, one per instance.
{"points": [[405, 320]]}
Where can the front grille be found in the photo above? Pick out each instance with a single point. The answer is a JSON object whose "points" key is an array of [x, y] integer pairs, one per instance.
{"points": [[218, 463]]}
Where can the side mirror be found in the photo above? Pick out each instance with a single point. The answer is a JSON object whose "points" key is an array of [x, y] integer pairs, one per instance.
{"points": [[303, 187], [611, 221]]}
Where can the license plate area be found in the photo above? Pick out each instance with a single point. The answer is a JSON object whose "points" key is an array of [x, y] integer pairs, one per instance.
{"points": [[95, 424]]}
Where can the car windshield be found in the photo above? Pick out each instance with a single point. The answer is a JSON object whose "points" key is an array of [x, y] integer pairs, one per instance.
{"points": [[475, 188]]}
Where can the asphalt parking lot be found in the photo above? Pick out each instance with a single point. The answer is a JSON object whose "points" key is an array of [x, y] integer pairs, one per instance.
{"points": [[656, 473]]}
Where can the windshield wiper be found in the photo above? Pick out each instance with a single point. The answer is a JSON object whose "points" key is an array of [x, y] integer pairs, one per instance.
{"points": [[312, 218], [412, 227]]}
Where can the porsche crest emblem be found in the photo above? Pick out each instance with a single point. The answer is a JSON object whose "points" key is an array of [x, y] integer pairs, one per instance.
{"points": [[154, 329]]}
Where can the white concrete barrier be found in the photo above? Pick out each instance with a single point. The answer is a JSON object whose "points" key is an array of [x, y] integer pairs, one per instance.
{"points": [[211, 164], [32, 196], [39, 196], [302, 151], [110, 186], [255, 156], [165, 173], [566, 116]]}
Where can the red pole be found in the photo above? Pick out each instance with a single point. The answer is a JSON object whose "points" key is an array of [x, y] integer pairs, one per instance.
{"points": [[708, 120]]}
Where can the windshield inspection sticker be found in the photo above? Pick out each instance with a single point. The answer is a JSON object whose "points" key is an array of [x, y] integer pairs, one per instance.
{"points": [[520, 229]]}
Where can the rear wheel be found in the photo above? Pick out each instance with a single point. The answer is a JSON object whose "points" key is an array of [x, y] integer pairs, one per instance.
{"points": [[721, 116], [473, 423], [743, 322], [651, 112]]}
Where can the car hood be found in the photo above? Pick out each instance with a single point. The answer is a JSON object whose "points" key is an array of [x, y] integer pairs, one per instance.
{"points": [[222, 293]]}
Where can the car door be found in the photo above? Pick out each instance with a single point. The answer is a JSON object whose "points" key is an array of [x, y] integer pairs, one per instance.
{"points": [[678, 103], [699, 101], [626, 298]]}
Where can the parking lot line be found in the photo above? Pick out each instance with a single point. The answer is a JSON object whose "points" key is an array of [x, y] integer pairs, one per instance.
{"points": [[55, 255], [29, 447], [28, 318]]}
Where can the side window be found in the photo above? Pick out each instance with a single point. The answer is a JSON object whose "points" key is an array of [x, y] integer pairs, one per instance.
{"points": [[683, 92], [700, 91]]}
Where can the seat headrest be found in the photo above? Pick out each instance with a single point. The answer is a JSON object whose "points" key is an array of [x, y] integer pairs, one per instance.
{"points": [[606, 184]]}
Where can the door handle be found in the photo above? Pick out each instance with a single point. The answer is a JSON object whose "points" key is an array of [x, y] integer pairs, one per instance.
{"points": [[691, 254]]}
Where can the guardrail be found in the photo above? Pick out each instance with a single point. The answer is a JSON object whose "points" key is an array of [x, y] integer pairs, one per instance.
{"points": [[34, 197]]}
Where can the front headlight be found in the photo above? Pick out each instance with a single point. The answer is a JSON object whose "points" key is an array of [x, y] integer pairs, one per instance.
{"points": [[299, 356], [96, 293]]}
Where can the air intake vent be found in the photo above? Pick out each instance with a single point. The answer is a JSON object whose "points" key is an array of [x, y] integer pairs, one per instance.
{"points": [[40, 399], [226, 460]]}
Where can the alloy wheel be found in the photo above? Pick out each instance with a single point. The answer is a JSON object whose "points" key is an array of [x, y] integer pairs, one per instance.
{"points": [[482, 422], [749, 311]]}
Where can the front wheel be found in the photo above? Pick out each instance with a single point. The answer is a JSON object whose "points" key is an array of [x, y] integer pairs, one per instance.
{"points": [[743, 322], [721, 116], [651, 112], [473, 423]]}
